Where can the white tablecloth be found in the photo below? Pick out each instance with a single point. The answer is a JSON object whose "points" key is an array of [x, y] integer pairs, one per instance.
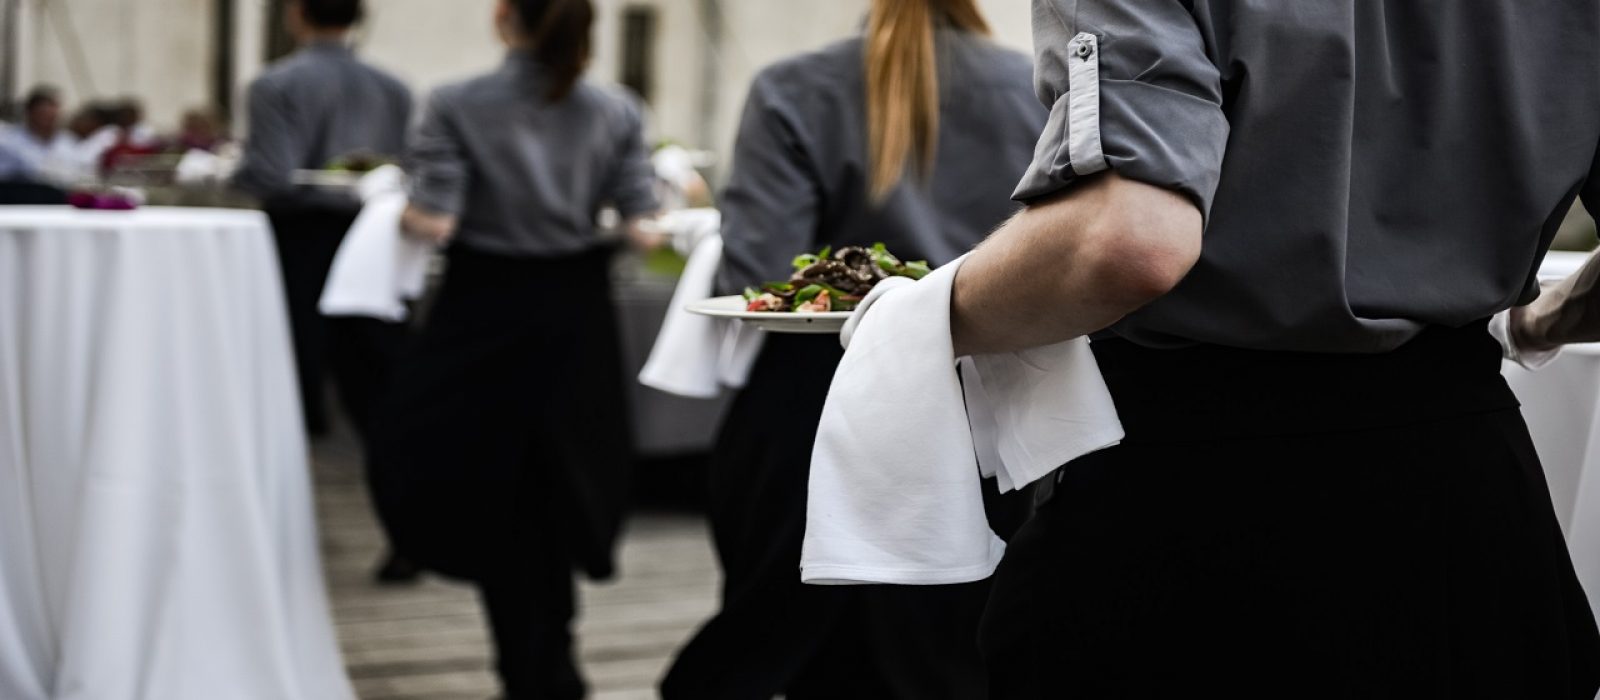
{"points": [[157, 537], [1562, 405]]}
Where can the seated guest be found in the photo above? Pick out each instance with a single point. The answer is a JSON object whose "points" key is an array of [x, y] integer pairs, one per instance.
{"points": [[128, 115], [35, 154], [134, 138], [94, 133], [36, 149], [199, 132]]}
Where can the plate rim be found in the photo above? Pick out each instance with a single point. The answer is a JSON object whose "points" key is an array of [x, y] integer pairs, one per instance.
{"points": [[701, 308]]}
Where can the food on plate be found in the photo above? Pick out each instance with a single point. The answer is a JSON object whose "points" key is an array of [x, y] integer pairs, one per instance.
{"points": [[832, 280], [357, 162]]}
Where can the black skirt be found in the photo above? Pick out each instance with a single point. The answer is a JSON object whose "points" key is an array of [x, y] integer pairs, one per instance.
{"points": [[1296, 525], [507, 423]]}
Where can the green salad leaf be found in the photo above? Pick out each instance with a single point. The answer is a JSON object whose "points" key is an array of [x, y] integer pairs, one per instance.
{"points": [[808, 294]]}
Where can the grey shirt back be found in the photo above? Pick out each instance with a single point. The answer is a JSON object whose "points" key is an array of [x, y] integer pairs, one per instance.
{"points": [[311, 108], [526, 176], [800, 173], [1368, 167]]}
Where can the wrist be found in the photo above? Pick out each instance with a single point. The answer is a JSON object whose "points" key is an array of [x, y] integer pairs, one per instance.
{"points": [[1528, 330]]}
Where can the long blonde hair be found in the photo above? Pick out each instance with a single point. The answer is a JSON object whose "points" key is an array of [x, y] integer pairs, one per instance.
{"points": [[903, 84]]}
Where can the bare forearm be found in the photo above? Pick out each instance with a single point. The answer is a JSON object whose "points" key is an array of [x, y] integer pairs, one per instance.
{"points": [[432, 226], [1074, 265], [644, 233], [1566, 313]]}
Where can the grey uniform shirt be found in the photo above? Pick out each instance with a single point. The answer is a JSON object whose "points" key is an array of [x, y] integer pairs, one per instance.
{"points": [[1367, 167], [311, 108], [524, 175], [800, 173]]}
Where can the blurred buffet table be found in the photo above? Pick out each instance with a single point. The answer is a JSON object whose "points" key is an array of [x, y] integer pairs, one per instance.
{"points": [[157, 536]]}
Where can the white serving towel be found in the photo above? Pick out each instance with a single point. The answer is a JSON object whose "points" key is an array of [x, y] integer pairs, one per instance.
{"points": [[896, 473], [698, 356], [199, 167], [378, 268]]}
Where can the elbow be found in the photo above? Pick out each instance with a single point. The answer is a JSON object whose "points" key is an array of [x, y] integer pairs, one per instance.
{"points": [[1135, 261]]}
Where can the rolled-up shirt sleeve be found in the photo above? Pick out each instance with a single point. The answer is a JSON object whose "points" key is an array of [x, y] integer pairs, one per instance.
{"points": [[436, 161], [632, 184], [769, 208], [1131, 89]]}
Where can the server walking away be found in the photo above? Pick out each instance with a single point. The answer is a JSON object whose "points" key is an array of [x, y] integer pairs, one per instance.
{"points": [[309, 111], [503, 457], [910, 135]]}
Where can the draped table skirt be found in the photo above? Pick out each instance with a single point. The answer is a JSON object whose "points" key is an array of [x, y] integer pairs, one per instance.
{"points": [[157, 534]]}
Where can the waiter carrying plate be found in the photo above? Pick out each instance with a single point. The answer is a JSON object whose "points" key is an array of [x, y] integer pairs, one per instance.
{"points": [[1288, 226], [315, 110], [321, 108]]}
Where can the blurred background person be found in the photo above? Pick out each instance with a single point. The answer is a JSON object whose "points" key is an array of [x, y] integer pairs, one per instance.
{"points": [[131, 138], [31, 147], [128, 115], [94, 127], [503, 457], [911, 135], [35, 153], [309, 110], [199, 131], [85, 123]]}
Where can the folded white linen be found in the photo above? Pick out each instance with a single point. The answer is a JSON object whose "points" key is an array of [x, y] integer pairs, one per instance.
{"points": [[697, 356], [198, 166], [1531, 360], [378, 268], [896, 473]]}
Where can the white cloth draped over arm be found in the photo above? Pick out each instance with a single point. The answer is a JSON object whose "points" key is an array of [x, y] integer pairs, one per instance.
{"points": [[378, 268], [896, 481], [696, 356]]}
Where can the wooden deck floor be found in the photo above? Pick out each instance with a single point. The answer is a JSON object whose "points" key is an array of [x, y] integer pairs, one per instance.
{"points": [[428, 642]]}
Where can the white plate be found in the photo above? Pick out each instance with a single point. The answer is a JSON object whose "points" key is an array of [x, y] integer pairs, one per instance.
{"points": [[328, 179], [784, 322]]}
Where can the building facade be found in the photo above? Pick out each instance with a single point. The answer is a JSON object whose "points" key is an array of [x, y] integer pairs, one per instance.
{"points": [[692, 59]]}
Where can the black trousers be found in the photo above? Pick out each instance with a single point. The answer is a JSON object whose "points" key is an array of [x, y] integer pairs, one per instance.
{"points": [[30, 193], [1298, 526], [775, 635], [360, 352], [530, 607]]}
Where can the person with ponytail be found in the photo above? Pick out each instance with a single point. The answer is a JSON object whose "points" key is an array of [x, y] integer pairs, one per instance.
{"points": [[504, 450], [912, 135]]}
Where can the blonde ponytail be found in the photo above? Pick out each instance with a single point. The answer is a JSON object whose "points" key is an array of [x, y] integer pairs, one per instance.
{"points": [[903, 84]]}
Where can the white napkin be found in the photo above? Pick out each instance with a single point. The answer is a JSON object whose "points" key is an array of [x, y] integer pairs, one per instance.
{"points": [[377, 268], [896, 492], [197, 167], [697, 356]]}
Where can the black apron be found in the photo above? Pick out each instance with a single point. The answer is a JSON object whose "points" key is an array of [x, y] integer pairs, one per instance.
{"points": [[507, 432], [1298, 525]]}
